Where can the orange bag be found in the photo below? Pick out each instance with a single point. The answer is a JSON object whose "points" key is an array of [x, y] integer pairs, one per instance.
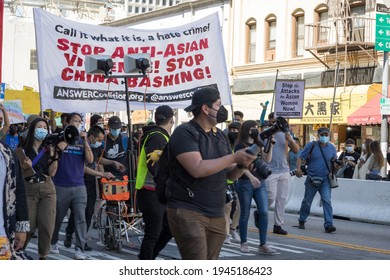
{"points": [[5, 249], [115, 189]]}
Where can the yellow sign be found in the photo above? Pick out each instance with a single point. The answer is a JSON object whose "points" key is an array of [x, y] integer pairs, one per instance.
{"points": [[318, 104], [30, 100], [140, 116]]}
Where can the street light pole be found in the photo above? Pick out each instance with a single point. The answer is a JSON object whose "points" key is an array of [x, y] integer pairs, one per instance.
{"points": [[384, 126]]}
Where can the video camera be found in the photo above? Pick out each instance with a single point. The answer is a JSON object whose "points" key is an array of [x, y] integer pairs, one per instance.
{"points": [[70, 135]]}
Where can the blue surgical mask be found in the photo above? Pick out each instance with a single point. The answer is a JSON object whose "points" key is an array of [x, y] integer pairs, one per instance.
{"points": [[349, 149], [115, 132], [96, 144], [324, 139], [40, 133]]}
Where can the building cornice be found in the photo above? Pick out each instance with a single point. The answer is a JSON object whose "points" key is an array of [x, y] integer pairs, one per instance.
{"points": [[164, 12]]}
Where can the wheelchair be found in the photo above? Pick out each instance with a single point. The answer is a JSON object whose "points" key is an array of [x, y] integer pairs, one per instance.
{"points": [[114, 219]]}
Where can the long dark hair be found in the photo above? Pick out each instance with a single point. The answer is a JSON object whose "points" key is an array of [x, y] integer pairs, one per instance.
{"points": [[243, 133], [28, 144], [377, 153]]}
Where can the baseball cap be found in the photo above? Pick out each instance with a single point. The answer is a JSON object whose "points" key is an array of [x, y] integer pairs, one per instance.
{"points": [[350, 141], [114, 122], [202, 96], [163, 112], [323, 130]]}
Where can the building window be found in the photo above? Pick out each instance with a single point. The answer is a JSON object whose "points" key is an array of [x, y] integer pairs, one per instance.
{"points": [[322, 24], [251, 39], [136, 10], [298, 33], [150, 1], [164, 2], [33, 60], [157, 2], [270, 37], [130, 9], [271, 25]]}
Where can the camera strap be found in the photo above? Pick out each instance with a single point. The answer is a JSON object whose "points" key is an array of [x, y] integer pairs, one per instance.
{"points": [[38, 157], [323, 156]]}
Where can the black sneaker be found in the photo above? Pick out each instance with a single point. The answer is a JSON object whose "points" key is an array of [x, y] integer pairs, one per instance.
{"points": [[68, 241], [330, 229], [301, 225], [279, 230], [87, 248]]}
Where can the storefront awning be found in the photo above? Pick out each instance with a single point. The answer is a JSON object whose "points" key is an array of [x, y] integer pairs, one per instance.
{"points": [[367, 114]]}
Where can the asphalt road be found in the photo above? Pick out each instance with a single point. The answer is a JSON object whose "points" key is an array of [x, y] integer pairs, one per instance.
{"points": [[352, 240]]}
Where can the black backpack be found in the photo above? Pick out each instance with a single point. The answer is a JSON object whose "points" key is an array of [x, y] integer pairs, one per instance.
{"points": [[164, 168]]}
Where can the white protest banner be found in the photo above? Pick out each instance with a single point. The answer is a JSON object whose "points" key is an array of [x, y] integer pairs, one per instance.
{"points": [[183, 59], [14, 111], [289, 96]]}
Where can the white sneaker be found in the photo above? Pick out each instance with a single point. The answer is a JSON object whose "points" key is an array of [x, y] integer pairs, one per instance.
{"points": [[54, 249], [235, 236], [244, 248], [227, 240], [79, 255], [267, 250]]}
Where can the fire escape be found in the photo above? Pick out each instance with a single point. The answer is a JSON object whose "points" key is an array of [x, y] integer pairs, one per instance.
{"points": [[344, 37]]}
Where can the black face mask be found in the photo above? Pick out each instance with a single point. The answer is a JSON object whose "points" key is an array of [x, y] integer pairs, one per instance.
{"points": [[13, 130], [222, 114], [253, 133], [232, 135]]}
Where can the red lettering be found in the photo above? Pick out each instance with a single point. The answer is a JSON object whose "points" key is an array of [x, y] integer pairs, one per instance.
{"points": [[118, 52], [198, 74], [66, 74], [62, 44]]}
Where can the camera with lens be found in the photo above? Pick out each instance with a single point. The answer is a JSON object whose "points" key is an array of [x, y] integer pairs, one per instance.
{"points": [[280, 124], [303, 168], [70, 135], [261, 168]]}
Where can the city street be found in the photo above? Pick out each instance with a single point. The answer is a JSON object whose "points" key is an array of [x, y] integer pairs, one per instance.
{"points": [[352, 241]]}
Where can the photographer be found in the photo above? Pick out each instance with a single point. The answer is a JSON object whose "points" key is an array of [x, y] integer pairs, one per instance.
{"points": [[40, 190], [251, 185], [70, 186], [197, 192], [318, 156]]}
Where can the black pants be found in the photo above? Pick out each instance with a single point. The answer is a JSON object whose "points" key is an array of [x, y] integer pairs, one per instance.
{"points": [[157, 233], [89, 210]]}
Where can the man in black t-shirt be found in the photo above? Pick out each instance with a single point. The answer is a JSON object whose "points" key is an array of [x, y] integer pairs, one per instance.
{"points": [[350, 158], [115, 149], [196, 193]]}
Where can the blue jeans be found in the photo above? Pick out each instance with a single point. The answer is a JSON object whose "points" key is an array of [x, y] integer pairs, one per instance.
{"points": [[246, 192], [325, 193]]}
